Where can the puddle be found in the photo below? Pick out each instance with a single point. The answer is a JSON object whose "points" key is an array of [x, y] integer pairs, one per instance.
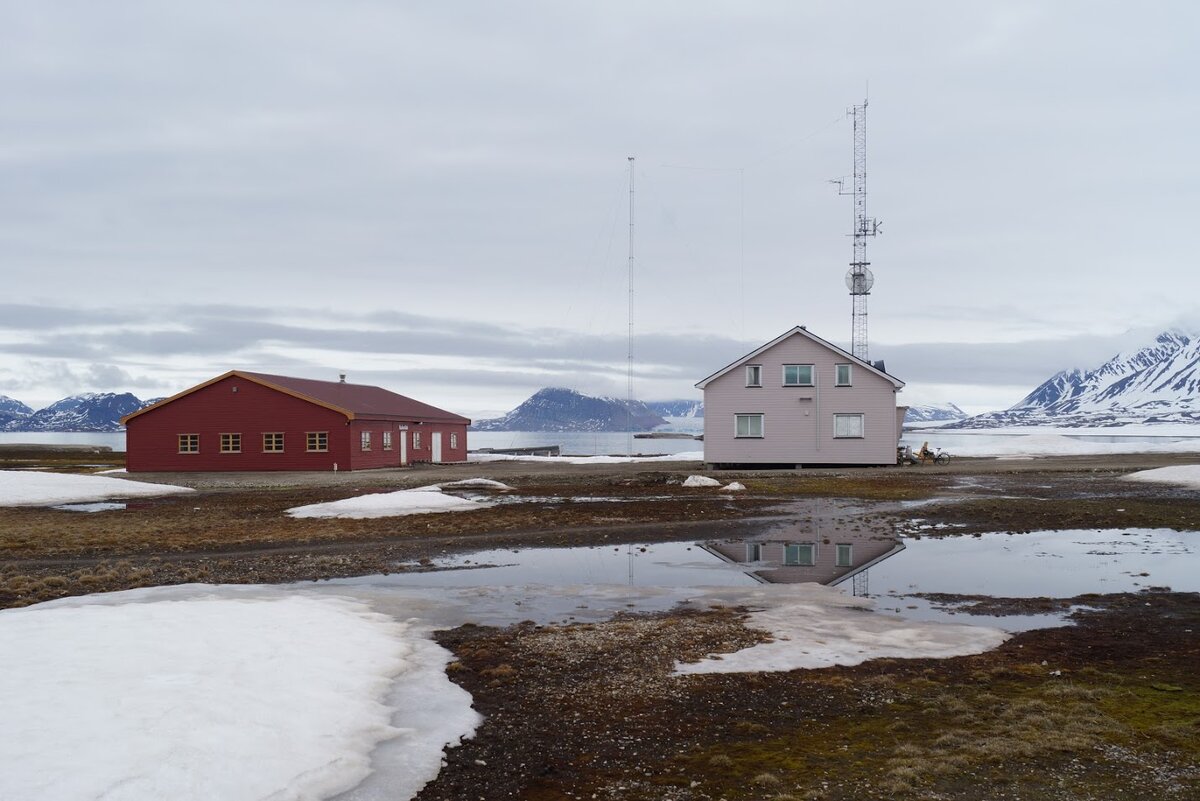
{"points": [[99, 506], [591, 583]]}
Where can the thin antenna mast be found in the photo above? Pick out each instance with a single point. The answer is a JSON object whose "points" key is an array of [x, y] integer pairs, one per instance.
{"points": [[859, 278], [629, 364]]}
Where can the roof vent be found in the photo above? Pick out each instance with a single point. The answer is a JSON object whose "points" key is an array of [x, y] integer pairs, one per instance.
{"points": [[342, 378]]}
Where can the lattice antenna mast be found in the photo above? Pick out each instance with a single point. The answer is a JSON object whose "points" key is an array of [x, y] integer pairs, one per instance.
{"points": [[859, 278]]}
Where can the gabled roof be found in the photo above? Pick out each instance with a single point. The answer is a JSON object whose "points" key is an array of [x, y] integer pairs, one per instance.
{"points": [[353, 400], [804, 332]]}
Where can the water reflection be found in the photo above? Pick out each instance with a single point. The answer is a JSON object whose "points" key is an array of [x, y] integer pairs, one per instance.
{"points": [[809, 557]]}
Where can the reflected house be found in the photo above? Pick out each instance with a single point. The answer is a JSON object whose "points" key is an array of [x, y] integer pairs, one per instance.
{"points": [[811, 557]]}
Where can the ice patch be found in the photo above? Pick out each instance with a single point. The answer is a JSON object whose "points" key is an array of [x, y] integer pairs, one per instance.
{"points": [[816, 627], [214, 697], [24, 488], [389, 504], [1187, 475]]}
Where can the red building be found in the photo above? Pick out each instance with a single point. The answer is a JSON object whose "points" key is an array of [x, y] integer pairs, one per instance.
{"points": [[252, 421]]}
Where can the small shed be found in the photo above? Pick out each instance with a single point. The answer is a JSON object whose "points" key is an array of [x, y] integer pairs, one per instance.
{"points": [[254, 421], [799, 400]]}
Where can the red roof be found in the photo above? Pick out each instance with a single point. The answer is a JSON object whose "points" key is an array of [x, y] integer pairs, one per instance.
{"points": [[352, 400]]}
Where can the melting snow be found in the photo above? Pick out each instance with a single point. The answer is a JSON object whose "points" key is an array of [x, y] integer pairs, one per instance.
{"points": [[816, 627], [24, 488], [701, 481], [425, 500], [1187, 475], [235, 698]]}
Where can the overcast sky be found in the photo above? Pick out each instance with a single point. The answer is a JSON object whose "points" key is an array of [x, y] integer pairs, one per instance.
{"points": [[434, 197]]}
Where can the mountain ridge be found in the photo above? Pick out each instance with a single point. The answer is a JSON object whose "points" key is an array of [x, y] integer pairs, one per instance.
{"points": [[89, 411], [1158, 383], [561, 409]]}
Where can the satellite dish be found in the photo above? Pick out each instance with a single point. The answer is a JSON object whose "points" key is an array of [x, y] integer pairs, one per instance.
{"points": [[859, 280]]}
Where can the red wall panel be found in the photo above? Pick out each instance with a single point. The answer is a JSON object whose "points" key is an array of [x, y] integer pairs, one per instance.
{"points": [[235, 405]]}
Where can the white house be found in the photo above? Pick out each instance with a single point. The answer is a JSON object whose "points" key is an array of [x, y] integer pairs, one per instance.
{"points": [[799, 400]]}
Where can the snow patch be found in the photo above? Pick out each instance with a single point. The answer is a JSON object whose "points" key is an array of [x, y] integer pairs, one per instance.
{"points": [[734, 486], [215, 697], [26, 488], [701, 481], [1187, 475], [425, 500], [477, 483], [816, 627]]}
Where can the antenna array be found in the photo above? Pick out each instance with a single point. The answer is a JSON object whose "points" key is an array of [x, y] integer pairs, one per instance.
{"points": [[859, 278]]}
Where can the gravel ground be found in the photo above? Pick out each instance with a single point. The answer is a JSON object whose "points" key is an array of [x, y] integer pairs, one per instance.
{"points": [[1106, 709]]}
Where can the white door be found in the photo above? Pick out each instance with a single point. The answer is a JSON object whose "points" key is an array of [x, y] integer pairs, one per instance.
{"points": [[437, 446], [403, 446]]}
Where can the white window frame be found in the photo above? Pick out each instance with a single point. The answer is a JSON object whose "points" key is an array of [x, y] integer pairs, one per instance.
{"points": [[387, 440], [364, 441], [231, 442], [798, 383], [416, 440], [847, 549], [454, 442], [271, 439], [862, 425], [837, 375], [754, 375], [762, 425], [316, 441], [754, 551], [798, 560]]}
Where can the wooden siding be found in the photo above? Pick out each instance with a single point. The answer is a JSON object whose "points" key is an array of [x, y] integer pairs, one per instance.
{"points": [[798, 421], [253, 410]]}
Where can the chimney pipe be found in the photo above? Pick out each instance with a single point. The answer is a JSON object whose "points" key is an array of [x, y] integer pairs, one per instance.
{"points": [[342, 378]]}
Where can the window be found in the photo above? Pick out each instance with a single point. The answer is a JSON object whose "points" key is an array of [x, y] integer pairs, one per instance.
{"points": [[416, 440], [754, 552], [273, 442], [800, 553], [754, 375], [842, 376], [231, 443], [848, 426], [845, 555], [318, 441], [365, 440], [387, 440], [748, 425], [797, 375], [454, 442], [189, 443]]}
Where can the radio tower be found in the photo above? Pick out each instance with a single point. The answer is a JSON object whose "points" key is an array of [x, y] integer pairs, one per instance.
{"points": [[859, 278]]}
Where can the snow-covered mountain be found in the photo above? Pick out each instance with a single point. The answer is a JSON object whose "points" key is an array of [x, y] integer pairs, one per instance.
{"points": [[677, 408], [557, 409], [88, 412], [1159, 383], [12, 409], [934, 413]]}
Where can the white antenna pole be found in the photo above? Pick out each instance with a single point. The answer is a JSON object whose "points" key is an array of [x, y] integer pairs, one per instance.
{"points": [[629, 365]]}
